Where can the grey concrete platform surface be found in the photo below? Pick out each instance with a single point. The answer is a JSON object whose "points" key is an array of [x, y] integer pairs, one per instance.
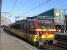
{"points": [[9, 42]]}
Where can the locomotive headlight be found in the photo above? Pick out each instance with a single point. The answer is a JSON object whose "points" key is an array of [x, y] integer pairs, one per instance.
{"points": [[39, 33]]}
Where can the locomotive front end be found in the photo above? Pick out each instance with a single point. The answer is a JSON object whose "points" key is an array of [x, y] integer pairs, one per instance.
{"points": [[44, 32]]}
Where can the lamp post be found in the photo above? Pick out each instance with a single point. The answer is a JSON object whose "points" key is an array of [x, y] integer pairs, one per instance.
{"points": [[0, 10]]}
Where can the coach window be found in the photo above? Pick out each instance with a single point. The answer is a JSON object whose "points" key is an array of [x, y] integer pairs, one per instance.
{"points": [[28, 25], [31, 25]]}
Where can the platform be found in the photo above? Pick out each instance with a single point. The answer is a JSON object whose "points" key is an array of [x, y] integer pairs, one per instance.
{"points": [[9, 42]]}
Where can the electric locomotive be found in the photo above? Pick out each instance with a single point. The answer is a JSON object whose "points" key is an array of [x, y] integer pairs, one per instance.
{"points": [[34, 30]]}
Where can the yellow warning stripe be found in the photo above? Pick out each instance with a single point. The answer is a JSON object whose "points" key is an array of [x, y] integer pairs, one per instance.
{"points": [[40, 30], [51, 29], [45, 29]]}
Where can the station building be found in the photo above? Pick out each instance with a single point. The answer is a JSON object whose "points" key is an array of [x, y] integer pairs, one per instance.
{"points": [[58, 15], [66, 22]]}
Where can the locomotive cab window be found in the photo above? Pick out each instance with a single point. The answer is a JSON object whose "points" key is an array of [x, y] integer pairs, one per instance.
{"points": [[45, 24], [49, 25], [40, 24]]}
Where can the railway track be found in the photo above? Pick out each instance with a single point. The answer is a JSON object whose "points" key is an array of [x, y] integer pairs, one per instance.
{"points": [[55, 47]]}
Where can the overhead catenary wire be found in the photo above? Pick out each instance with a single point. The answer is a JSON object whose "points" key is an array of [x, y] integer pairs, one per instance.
{"points": [[14, 5], [37, 6]]}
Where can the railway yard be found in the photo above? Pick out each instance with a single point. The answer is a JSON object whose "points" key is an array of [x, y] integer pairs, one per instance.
{"points": [[9, 42]]}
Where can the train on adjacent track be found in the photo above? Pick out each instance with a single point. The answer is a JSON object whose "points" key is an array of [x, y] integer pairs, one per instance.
{"points": [[36, 30]]}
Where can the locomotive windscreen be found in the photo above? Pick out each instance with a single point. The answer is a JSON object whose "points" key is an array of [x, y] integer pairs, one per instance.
{"points": [[40, 24], [49, 25], [45, 24]]}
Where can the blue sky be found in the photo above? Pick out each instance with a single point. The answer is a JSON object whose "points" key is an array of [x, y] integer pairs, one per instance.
{"points": [[22, 7]]}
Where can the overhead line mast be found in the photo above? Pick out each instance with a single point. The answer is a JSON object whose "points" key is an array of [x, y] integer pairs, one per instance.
{"points": [[11, 11], [0, 10]]}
